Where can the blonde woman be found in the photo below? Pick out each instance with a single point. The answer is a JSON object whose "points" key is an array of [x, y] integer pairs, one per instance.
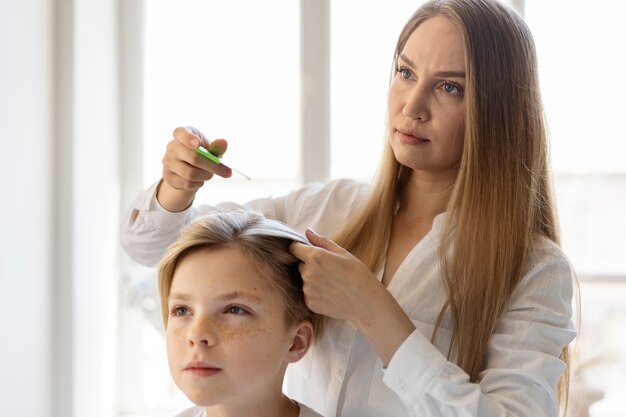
{"points": [[234, 315], [447, 288]]}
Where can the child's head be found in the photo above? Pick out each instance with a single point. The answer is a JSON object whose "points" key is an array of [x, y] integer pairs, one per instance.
{"points": [[233, 307]]}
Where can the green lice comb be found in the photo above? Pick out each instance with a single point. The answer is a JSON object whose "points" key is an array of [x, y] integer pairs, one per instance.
{"points": [[201, 150]]}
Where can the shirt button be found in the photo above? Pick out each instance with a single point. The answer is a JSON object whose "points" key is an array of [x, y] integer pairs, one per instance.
{"points": [[403, 386], [338, 372]]}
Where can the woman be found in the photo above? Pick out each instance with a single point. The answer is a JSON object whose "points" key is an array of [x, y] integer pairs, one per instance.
{"points": [[449, 292]]}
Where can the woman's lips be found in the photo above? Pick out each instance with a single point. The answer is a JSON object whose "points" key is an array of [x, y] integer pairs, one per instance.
{"points": [[410, 139]]}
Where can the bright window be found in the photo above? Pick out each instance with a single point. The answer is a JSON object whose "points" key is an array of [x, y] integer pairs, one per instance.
{"points": [[232, 70], [580, 58]]}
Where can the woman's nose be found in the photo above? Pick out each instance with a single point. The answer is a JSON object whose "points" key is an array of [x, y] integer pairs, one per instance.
{"points": [[416, 105], [203, 332]]}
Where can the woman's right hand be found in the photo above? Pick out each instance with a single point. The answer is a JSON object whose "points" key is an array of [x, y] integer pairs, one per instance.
{"points": [[184, 171]]}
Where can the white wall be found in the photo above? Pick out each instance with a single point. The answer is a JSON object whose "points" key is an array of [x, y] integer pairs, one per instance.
{"points": [[25, 208], [95, 205], [59, 182]]}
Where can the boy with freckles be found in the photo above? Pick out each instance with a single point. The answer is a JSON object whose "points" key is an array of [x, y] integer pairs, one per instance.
{"points": [[235, 317]]}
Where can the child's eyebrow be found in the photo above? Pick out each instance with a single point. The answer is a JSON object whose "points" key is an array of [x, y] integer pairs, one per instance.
{"points": [[224, 297], [178, 296], [238, 294]]}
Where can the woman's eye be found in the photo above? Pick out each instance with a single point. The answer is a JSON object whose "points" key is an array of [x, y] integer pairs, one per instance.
{"points": [[405, 73], [179, 311], [452, 88]]}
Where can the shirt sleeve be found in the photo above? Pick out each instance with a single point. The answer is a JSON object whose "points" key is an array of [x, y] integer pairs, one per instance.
{"points": [[522, 365], [147, 229]]}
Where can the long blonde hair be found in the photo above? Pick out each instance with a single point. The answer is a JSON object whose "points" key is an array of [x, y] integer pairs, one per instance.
{"points": [[502, 199], [266, 241]]}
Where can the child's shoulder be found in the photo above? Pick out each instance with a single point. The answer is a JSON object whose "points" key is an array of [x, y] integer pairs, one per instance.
{"points": [[194, 411], [307, 412]]}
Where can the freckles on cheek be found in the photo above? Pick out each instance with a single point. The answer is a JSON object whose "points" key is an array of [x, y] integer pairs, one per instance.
{"points": [[175, 336], [253, 334], [245, 332]]}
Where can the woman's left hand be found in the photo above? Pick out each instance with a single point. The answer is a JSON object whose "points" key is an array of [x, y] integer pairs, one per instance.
{"points": [[336, 283]]}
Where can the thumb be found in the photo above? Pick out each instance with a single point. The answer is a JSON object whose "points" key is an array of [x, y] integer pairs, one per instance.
{"points": [[218, 147], [321, 241]]}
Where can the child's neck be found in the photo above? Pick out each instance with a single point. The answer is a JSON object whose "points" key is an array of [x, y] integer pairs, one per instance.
{"points": [[282, 407]]}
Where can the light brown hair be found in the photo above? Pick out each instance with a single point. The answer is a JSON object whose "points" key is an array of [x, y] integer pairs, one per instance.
{"points": [[266, 241], [502, 200]]}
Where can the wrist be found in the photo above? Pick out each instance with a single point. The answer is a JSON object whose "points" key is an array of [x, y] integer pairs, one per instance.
{"points": [[386, 326], [172, 199], [369, 305]]}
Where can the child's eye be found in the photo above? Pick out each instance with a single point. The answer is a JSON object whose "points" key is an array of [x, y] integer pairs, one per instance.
{"points": [[179, 311], [236, 310], [452, 88]]}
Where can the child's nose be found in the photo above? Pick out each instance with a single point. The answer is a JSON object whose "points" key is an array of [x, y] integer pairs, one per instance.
{"points": [[203, 332]]}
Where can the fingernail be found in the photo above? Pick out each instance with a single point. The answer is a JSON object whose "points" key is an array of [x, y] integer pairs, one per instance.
{"points": [[194, 142], [312, 231]]}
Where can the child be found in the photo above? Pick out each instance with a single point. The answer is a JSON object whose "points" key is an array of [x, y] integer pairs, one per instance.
{"points": [[234, 313]]}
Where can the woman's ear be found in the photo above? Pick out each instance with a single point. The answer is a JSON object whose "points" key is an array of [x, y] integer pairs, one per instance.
{"points": [[302, 340]]}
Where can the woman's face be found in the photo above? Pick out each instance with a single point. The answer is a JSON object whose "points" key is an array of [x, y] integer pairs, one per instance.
{"points": [[426, 99], [228, 338]]}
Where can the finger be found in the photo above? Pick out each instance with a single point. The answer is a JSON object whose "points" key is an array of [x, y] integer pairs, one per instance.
{"points": [[204, 141], [321, 241], [179, 183], [188, 136], [203, 163], [182, 160], [299, 250], [218, 147], [190, 171]]}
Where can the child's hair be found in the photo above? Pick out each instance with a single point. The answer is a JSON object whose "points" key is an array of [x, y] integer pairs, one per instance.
{"points": [[266, 241]]}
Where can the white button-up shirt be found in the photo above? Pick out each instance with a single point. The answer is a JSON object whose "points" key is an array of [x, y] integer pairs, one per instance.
{"points": [[342, 376], [197, 411]]}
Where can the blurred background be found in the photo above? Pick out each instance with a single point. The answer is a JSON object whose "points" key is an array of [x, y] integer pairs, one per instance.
{"points": [[90, 91]]}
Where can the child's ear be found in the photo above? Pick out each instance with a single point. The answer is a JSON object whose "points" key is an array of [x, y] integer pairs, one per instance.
{"points": [[302, 340]]}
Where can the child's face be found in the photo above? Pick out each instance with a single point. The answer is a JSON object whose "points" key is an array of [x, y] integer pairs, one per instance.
{"points": [[228, 339]]}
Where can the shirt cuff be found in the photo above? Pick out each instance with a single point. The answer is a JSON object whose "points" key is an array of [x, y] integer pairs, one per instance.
{"points": [[413, 368], [156, 215]]}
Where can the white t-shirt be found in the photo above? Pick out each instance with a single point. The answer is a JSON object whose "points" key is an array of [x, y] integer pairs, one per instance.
{"points": [[196, 411], [342, 376]]}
